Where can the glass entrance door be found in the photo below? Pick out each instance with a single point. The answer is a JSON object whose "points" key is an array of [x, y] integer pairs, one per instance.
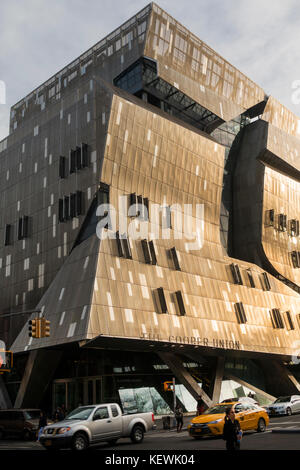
{"points": [[75, 392]]}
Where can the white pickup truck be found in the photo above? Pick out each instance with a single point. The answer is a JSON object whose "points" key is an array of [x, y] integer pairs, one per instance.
{"points": [[89, 425]]}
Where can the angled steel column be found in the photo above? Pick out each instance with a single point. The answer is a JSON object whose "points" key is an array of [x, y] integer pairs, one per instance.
{"points": [[5, 401], [279, 380], [40, 367], [252, 387], [176, 366]]}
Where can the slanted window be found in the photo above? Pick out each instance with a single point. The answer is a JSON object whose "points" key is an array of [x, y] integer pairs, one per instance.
{"points": [[289, 321], [23, 227], [240, 312], [152, 252], [174, 256], [73, 205], [146, 251], [62, 167], [78, 158], [265, 281], [276, 318], [282, 222], [123, 246], [180, 302], [161, 300], [61, 216], [79, 202], [8, 235], [295, 256], [236, 274], [66, 207], [250, 277], [84, 155], [269, 218], [72, 154], [294, 228]]}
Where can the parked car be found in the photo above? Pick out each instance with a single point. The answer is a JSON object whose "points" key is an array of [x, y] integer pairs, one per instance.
{"points": [[21, 422], [211, 422], [89, 425], [284, 406]]}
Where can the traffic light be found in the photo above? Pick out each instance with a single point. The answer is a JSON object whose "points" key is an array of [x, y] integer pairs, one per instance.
{"points": [[168, 386], [34, 328], [45, 327]]}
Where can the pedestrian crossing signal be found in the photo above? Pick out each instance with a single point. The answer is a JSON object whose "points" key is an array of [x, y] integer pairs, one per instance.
{"points": [[168, 386], [6, 361]]}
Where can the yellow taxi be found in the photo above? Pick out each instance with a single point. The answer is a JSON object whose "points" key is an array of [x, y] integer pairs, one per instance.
{"points": [[211, 422]]}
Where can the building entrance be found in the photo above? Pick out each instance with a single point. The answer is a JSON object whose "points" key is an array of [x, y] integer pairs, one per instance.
{"points": [[75, 392]]}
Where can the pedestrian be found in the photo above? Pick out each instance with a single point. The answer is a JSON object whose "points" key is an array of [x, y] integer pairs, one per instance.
{"points": [[232, 433], [200, 406], [63, 410], [179, 417], [58, 415], [42, 424]]}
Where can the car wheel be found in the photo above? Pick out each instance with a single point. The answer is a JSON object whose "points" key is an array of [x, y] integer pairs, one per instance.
{"points": [[112, 442], [261, 426], [288, 411], [80, 442], [137, 434]]}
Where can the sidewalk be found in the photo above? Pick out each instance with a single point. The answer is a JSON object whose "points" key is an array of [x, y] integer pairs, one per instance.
{"points": [[159, 423]]}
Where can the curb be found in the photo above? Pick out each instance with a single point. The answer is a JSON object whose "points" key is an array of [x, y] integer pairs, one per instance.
{"points": [[286, 431]]}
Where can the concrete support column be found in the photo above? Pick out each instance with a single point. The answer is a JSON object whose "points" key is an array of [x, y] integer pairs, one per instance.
{"points": [[176, 366], [40, 367], [5, 401], [218, 378], [279, 380]]}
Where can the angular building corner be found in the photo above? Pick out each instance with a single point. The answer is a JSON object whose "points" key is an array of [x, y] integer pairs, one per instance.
{"points": [[150, 212]]}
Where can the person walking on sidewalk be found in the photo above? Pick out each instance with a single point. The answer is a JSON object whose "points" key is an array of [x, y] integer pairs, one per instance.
{"points": [[179, 417], [232, 433]]}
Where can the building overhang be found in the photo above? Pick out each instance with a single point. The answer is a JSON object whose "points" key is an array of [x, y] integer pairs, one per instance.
{"points": [[178, 347]]}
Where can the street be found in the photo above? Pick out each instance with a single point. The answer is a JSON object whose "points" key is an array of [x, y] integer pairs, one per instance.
{"points": [[170, 440]]}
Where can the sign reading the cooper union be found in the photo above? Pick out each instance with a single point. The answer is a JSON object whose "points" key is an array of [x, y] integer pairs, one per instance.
{"points": [[194, 340]]}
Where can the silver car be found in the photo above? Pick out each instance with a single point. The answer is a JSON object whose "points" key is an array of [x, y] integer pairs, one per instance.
{"points": [[284, 406], [89, 425]]}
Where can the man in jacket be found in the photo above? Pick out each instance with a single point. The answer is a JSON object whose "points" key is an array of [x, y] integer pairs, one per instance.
{"points": [[232, 430]]}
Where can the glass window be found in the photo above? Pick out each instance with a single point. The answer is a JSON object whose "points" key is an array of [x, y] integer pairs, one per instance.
{"points": [[32, 414], [216, 409], [283, 399], [114, 411], [81, 413], [101, 413]]}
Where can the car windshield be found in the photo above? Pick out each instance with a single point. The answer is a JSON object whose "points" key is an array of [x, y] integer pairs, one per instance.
{"points": [[282, 400], [214, 410], [82, 412], [32, 414]]}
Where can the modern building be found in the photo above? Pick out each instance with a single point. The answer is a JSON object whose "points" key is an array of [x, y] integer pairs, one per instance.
{"points": [[150, 207]]}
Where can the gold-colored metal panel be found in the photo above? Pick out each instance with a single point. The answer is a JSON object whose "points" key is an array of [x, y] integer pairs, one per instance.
{"points": [[205, 280], [190, 65]]}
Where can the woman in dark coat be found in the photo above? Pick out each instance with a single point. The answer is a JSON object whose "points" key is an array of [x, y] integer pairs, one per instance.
{"points": [[232, 430]]}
